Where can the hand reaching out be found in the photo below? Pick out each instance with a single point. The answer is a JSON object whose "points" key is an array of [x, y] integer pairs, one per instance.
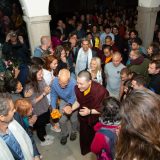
{"points": [[84, 111], [67, 109]]}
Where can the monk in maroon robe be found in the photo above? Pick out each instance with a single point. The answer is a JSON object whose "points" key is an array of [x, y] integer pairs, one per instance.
{"points": [[89, 98]]}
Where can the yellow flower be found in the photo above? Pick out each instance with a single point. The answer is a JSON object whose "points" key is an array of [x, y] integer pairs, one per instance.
{"points": [[55, 114]]}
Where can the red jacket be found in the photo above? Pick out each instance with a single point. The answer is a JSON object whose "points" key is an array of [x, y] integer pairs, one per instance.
{"points": [[100, 141]]}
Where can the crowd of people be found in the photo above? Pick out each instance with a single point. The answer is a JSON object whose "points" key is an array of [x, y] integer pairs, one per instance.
{"points": [[93, 72]]}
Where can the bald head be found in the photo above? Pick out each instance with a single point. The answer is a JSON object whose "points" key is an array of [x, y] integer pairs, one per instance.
{"points": [[45, 40], [116, 59], [63, 77], [64, 73]]}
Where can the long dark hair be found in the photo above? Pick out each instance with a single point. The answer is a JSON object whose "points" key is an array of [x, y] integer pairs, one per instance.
{"points": [[32, 78], [58, 52], [139, 135]]}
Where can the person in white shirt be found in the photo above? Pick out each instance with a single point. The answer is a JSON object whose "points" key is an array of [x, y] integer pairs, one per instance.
{"points": [[84, 56], [50, 71]]}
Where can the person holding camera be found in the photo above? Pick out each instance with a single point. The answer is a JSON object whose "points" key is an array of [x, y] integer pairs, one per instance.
{"points": [[15, 50]]}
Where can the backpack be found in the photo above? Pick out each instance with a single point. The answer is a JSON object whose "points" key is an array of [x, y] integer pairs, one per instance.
{"points": [[109, 134], [103, 155]]}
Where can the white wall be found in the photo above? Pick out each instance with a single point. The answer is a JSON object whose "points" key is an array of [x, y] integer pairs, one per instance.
{"points": [[37, 18], [149, 3], [33, 8]]}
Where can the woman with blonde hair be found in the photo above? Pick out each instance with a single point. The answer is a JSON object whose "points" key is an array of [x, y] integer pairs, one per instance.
{"points": [[96, 70], [139, 137]]}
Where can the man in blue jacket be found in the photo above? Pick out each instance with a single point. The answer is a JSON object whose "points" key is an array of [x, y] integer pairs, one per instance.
{"points": [[63, 87]]}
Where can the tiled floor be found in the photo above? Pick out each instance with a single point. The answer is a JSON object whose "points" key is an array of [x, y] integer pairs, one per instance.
{"points": [[56, 151]]}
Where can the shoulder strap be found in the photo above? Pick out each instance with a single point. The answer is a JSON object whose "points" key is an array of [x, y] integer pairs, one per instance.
{"points": [[106, 131], [112, 138]]}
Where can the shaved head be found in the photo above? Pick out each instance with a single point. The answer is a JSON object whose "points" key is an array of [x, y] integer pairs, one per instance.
{"points": [[85, 74], [84, 80], [116, 54], [116, 59]]}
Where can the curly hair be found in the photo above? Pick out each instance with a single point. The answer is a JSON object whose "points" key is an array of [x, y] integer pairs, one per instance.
{"points": [[111, 110]]}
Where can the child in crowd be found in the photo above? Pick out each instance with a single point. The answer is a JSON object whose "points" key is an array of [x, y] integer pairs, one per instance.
{"points": [[106, 129]]}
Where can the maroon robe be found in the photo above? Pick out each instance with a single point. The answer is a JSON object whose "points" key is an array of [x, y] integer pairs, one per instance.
{"points": [[92, 101]]}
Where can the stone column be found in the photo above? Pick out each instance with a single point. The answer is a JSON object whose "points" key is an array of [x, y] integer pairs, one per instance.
{"points": [[146, 23], [37, 26]]}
